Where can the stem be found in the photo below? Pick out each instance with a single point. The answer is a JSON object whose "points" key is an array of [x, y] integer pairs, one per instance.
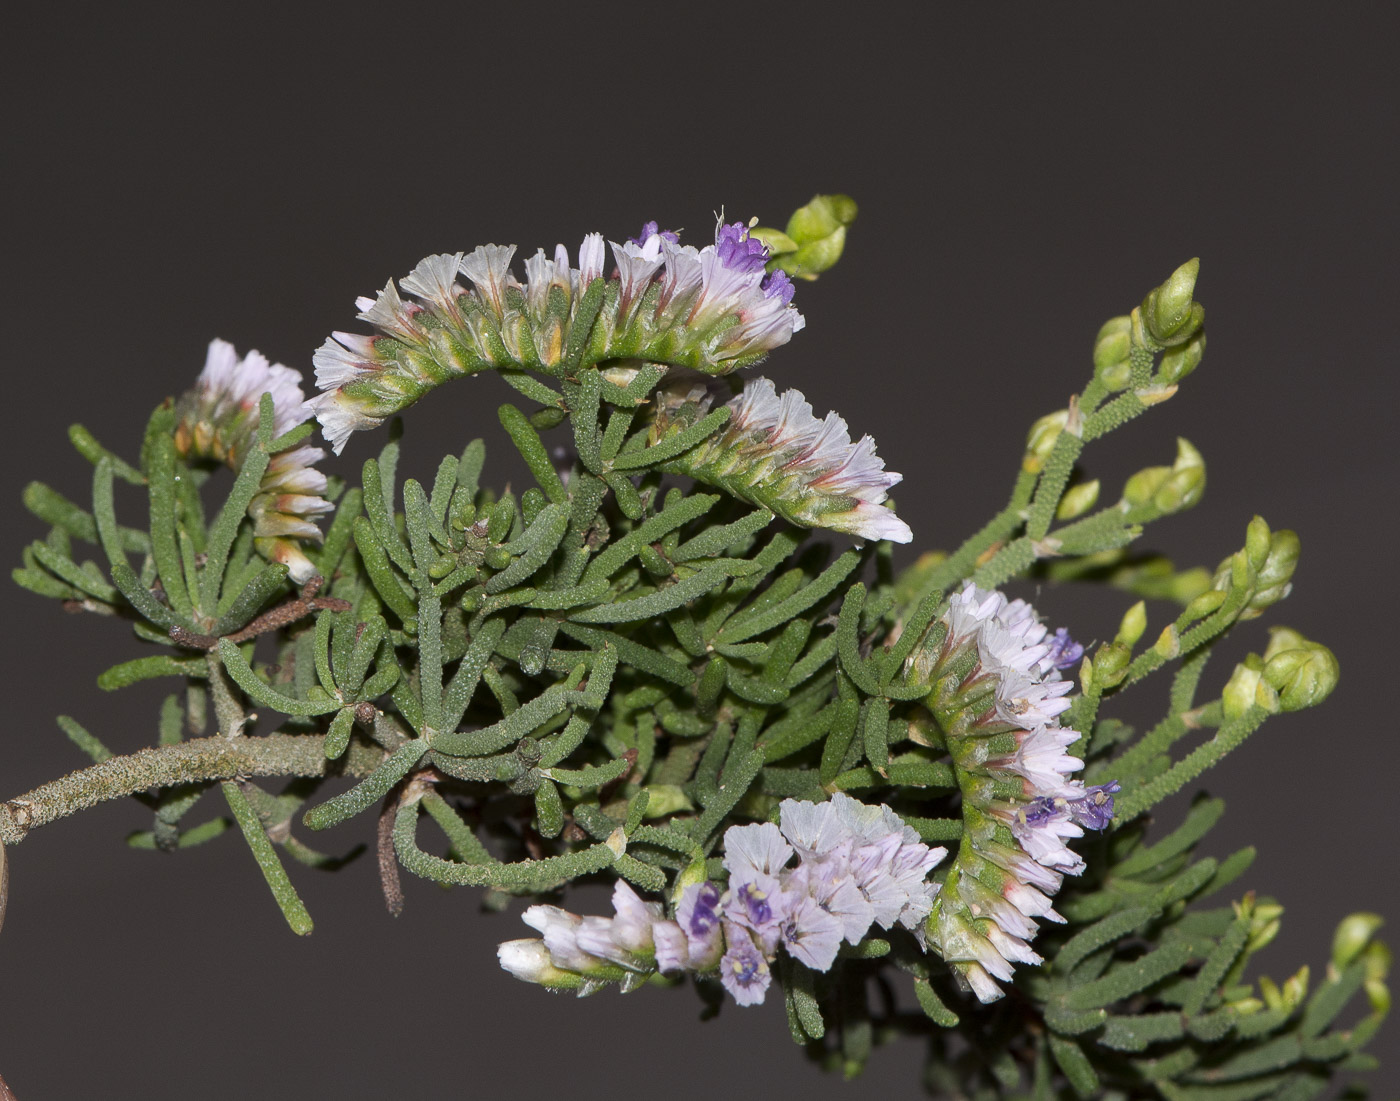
{"points": [[200, 759]]}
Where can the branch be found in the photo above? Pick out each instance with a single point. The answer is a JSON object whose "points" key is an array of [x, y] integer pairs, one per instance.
{"points": [[199, 759]]}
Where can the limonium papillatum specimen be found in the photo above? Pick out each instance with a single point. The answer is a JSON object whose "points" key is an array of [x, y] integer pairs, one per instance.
{"points": [[682, 663]]}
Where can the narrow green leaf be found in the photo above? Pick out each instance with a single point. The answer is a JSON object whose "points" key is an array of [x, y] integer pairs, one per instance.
{"points": [[225, 528], [293, 909], [369, 790], [527, 441], [264, 693], [670, 446], [535, 547], [157, 665], [667, 599]]}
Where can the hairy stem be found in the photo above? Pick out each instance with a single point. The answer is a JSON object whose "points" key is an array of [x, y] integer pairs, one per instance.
{"points": [[196, 760]]}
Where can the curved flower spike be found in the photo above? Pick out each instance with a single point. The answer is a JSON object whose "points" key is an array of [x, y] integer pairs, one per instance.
{"points": [[713, 309], [773, 452], [218, 420]]}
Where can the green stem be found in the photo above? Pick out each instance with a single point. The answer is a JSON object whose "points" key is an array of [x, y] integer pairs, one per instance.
{"points": [[959, 564], [200, 759]]}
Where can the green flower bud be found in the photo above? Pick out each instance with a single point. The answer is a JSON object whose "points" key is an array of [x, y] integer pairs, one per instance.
{"points": [[1040, 441], [1248, 688], [1143, 486], [821, 217], [1283, 638], [1204, 605], [666, 799], [1256, 542], [1295, 988], [1353, 934], [1078, 500], [693, 873], [1245, 1006], [1168, 312], [1302, 677], [1132, 626], [1113, 343], [1265, 923], [1275, 577], [818, 230], [1110, 664], [1186, 483], [1180, 362]]}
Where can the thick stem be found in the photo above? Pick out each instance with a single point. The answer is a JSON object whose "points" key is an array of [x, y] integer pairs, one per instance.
{"points": [[192, 761]]}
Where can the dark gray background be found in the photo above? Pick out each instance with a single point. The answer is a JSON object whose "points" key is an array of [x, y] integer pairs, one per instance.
{"points": [[1023, 174]]}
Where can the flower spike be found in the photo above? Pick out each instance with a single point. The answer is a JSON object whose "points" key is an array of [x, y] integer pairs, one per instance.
{"points": [[218, 420], [773, 452], [713, 309]]}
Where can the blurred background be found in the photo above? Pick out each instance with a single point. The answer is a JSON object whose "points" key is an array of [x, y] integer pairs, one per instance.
{"points": [[1023, 173]]}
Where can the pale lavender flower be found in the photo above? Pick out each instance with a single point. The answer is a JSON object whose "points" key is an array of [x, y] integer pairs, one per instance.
{"points": [[754, 851], [743, 970], [488, 267], [811, 934], [1040, 759], [560, 929]]}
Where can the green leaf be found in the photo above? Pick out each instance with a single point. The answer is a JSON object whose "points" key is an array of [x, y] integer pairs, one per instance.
{"points": [[1125, 979], [293, 909], [157, 665], [669, 598], [933, 1006], [672, 445], [745, 625], [369, 790], [1072, 1060], [225, 528], [264, 693], [527, 441], [535, 547], [618, 553]]}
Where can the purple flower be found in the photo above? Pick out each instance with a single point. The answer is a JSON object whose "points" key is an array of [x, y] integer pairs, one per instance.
{"points": [[651, 230], [1094, 809], [776, 284], [738, 251], [743, 970], [1064, 651]]}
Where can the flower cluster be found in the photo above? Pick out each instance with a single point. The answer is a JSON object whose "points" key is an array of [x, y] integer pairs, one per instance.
{"points": [[1001, 717], [856, 866], [714, 309], [774, 452], [218, 420]]}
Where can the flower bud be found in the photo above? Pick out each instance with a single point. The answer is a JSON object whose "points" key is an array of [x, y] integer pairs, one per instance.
{"points": [[1275, 576], [1143, 485], [666, 799], [1040, 441], [1204, 605], [1295, 988], [1168, 644], [1265, 923], [1283, 638], [1377, 959], [1113, 342], [1302, 677], [1353, 934], [819, 232], [1133, 624], [1110, 664], [1248, 688], [1180, 362], [1186, 483], [1078, 500], [1168, 312]]}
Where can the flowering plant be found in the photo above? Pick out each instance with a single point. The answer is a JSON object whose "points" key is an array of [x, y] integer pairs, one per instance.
{"points": [[799, 769]]}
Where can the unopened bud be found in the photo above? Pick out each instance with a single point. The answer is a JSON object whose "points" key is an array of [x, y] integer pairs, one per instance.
{"points": [[1078, 500], [1247, 688], [1143, 486], [1275, 577], [1040, 441], [1168, 644], [819, 232], [1353, 934], [1134, 623], [1265, 923], [1186, 483], [666, 799], [1168, 312], [1204, 604], [1302, 677], [1111, 349], [1295, 988], [1180, 362], [1110, 664]]}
